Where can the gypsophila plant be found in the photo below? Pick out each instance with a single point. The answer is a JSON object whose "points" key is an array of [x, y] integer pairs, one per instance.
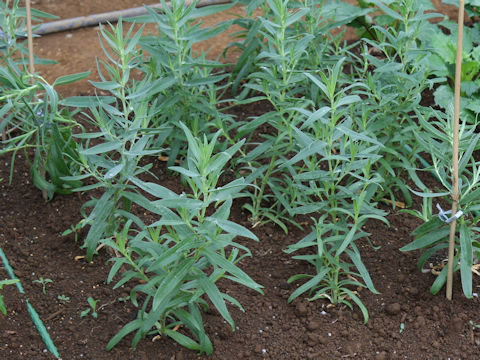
{"points": [[180, 257]]}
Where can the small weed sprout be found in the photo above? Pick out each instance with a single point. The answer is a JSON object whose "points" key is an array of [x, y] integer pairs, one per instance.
{"points": [[92, 310], [63, 299], [44, 283], [3, 309]]}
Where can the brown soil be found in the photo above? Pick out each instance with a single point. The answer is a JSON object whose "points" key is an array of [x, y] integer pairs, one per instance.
{"points": [[270, 328]]}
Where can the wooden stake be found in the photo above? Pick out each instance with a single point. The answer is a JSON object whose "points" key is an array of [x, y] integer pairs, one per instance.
{"points": [[30, 37], [31, 70], [456, 116]]}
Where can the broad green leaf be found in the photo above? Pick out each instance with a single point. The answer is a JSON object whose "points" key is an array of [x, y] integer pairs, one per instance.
{"points": [[169, 286], [113, 171]]}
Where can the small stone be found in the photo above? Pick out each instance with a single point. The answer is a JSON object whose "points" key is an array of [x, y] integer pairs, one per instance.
{"points": [[393, 309], [413, 291], [301, 309], [457, 325], [179, 356], [382, 356], [313, 325], [419, 322], [435, 344]]}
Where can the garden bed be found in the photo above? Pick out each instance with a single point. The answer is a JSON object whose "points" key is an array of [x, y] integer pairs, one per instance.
{"points": [[406, 321]]}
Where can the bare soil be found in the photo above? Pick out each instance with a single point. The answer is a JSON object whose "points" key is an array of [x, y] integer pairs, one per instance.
{"points": [[270, 328]]}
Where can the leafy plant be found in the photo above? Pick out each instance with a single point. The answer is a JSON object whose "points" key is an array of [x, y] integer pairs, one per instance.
{"points": [[180, 257], [92, 310], [432, 236], [30, 110], [442, 60], [3, 309], [192, 86], [395, 69], [63, 298], [44, 283], [126, 134], [333, 170]]}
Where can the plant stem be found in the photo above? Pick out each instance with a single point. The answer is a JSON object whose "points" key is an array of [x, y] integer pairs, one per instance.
{"points": [[455, 191]]}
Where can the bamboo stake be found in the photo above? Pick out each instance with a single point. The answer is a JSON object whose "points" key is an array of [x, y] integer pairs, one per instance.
{"points": [[456, 116], [30, 37], [31, 69]]}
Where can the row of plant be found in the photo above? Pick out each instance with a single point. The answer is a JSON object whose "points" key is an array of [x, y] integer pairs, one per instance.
{"points": [[346, 130]]}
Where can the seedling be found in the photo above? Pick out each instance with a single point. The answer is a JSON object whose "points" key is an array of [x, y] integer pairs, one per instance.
{"points": [[3, 309], [44, 283], [63, 299], [402, 327], [92, 310], [474, 326]]}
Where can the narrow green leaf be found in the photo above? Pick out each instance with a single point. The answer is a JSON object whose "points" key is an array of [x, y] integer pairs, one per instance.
{"points": [[466, 259]]}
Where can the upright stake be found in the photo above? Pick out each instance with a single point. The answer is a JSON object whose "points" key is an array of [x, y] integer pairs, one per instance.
{"points": [[456, 116], [30, 37], [31, 69]]}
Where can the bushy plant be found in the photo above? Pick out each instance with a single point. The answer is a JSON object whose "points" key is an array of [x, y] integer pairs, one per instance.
{"points": [[195, 84], [125, 134], [30, 113], [334, 173], [433, 235], [181, 257]]}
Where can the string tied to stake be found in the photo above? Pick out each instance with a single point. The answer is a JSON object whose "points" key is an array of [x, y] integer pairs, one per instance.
{"points": [[443, 215]]}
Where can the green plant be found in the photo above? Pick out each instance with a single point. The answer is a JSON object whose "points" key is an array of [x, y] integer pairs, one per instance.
{"points": [[180, 257], [44, 283], [474, 326], [333, 170], [394, 83], [195, 85], [92, 310], [63, 299], [432, 235], [126, 135], [31, 120], [3, 309], [442, 60]]}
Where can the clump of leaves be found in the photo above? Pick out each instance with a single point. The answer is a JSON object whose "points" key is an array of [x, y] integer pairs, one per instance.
{"points": [[31, 112], [180, 257], [333, 170], [433, 235]]}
